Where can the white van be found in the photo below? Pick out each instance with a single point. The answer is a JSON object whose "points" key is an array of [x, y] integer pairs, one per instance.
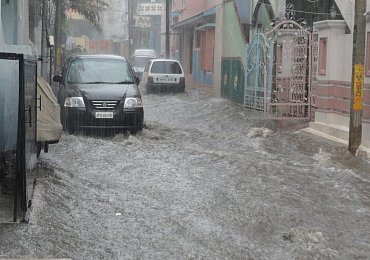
{"points": [[163, 75], [140, 58]]}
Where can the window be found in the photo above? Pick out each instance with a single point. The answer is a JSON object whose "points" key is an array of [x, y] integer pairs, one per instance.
{"points": [[367, 64], [207, 50], [322, 56]]}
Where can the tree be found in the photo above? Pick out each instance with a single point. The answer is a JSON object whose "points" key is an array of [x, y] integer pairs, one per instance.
{"points": [[90, 9]]}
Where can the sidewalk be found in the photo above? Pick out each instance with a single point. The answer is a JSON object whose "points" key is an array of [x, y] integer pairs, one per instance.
{"points": [[335, 134]]}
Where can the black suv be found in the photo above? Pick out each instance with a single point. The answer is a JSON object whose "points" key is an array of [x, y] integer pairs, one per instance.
{"points": [[99, 91]]}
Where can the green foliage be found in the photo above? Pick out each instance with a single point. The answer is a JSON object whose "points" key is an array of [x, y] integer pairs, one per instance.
{"points": [[90, 9]]}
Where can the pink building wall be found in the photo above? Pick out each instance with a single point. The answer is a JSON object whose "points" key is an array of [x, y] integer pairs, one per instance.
{"points": [[190, 8]]}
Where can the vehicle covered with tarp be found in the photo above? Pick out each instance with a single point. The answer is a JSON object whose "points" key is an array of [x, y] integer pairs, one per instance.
{"points": [[49, 127]]}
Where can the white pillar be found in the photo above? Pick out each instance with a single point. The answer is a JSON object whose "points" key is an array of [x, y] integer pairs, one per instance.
{"points": [[2, 41]]}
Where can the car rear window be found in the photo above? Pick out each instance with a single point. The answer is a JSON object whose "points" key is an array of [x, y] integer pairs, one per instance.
{"points": [[166, 67]]}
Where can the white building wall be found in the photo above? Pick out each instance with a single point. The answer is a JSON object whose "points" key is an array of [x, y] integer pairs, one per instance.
{"points": [[339, 50], [23, 22], [347, 9], [339, 68], [2, 42], [366, 125], [16, 24]]}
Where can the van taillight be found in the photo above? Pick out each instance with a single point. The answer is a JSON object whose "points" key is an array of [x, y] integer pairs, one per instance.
{"points": [[182, 80], [150, 80]]}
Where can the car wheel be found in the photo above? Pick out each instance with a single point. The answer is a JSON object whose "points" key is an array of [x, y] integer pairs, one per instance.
{"points": [[134, 131], [38, 147], [63, 118]]}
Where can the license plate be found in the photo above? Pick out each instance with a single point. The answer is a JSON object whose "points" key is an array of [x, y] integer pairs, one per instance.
{"points": [[166, 79], [103, 114]]}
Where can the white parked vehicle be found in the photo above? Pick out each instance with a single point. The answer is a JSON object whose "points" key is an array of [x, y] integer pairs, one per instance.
{"points": [[163, 75], [140, 58]]}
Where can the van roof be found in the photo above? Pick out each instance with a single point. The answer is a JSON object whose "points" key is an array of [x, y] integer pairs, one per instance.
{"points": [[144, 52]]}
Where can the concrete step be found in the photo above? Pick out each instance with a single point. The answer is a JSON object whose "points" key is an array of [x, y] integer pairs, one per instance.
{"points": [[335, 134], [332, 130]]}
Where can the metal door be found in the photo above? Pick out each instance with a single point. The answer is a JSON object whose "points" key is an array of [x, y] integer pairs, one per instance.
{"points": [[27, 130], [21, 163]]}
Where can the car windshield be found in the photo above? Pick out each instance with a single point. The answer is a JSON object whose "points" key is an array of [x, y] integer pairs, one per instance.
{"points": [[140, 61], [98, 70], [166, 67]]}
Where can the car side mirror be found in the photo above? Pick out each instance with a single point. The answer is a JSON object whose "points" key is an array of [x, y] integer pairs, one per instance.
{"points": [[137, 80], [57, 78]]}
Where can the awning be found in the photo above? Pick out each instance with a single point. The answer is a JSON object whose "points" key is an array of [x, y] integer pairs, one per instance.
{"points": [[195, 18], [205, 26]]}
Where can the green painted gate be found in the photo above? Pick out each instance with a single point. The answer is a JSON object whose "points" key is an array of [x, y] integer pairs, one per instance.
{"points": [[232, 81]]}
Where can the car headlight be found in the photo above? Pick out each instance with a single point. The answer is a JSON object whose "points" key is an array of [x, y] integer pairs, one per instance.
{"points": [[133, 103], [74, 102]]}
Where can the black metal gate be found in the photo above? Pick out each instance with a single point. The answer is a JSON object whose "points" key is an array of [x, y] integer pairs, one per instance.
{"points": [[18, 180]]}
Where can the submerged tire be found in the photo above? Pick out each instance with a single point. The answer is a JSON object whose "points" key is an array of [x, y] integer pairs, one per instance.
{"points": [[38, 148]]}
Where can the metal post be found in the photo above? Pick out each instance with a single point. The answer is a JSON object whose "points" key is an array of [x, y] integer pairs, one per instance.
{"points": [[51, 65], [58, 34], [44, 45], [130, 7], [168, 28], [357, 90]]}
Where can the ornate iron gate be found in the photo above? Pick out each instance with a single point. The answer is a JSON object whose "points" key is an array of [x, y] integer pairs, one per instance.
{"points": [[255, 73], [288, 71]]}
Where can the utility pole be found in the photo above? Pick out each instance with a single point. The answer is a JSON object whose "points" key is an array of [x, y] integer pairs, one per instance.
{"points": [[130, 8], [44, 45], [58, 34], [357, 90], [168, 28]]}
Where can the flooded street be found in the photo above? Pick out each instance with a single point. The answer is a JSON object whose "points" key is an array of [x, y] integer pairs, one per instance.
{"points": [[205, 179]]}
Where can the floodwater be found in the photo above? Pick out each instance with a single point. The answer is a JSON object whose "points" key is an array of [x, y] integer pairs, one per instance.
{"points": [[205, 179]]}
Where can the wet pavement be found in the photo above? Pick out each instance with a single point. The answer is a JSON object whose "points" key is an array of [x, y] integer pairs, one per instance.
{"points": [[205, 179]]}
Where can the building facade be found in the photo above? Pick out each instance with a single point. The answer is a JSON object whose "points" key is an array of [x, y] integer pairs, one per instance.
{"points": [[194, 39], [227, 47], [334, 78], [14, 38]]}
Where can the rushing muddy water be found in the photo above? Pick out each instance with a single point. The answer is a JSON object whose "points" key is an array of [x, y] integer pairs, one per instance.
{"points": [[205, 179]]}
